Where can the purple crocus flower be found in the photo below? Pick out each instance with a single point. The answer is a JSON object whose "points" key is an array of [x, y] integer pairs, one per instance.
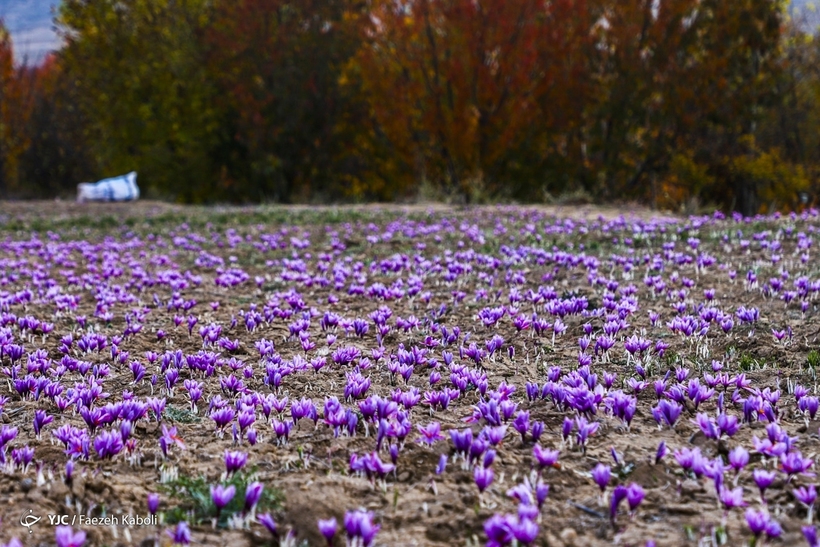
{"points": [[430, 434], [234, 461], [153, 503], [7, 434], [65, 536], [618, 495], [585, 429], [566, 428], [181, 535], [810, 533], [328, 529], [359, 524], [108, 444], [483, 477], [170, 437], [601, 475], [706, 426], [763, 479], [545, 457], [661, 452], [537, 430], [498, 531], [727, 424], [69, 472], [494, 434], [773, 529], [807, 496], [757, 521], [738, 458], [521, 423], [267, 521], [489, 457], [442, 464], [222, 496], [252, 494], [462, 440], [525, 530], [731, 498], [793, 463], [634, 496], [667, 411], [223, 416], [41, 419]]}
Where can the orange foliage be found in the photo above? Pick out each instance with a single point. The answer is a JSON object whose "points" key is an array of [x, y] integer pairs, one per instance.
{"points": [[454, 84], [17, 87]]}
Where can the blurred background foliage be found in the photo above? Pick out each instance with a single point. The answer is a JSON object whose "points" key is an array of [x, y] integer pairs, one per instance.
{"points": [[680, 104]]}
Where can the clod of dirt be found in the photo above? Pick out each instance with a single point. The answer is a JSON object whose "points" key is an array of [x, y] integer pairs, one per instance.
{"points": [[569, 536], [690, 487]]}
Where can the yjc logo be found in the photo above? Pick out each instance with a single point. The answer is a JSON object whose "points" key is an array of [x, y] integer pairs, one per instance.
{"points": [[29, 520]]}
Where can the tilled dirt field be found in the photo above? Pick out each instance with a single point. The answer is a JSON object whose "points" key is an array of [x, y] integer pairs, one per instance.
{"points": [[344, 351]]}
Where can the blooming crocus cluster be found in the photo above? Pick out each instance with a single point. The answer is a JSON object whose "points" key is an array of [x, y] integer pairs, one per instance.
{"points": [[360, 528], [65, 536], [546, 338]]}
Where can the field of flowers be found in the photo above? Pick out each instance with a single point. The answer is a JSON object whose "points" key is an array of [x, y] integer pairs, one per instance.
{"points": [[387, 377]]}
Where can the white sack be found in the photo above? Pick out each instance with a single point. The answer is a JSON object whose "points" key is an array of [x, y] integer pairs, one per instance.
{"points": [[122, 188]]}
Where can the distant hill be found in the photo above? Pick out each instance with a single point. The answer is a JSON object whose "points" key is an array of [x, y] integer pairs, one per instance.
{"points": [[29, 22]]}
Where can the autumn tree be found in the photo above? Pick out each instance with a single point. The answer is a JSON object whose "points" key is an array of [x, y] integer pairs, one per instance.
{"points": [[279, 64], [6, 82], [675, 76], [57, 155], [140, 74], [787, 137], [15, 109], [453, 84], [665, 101]]}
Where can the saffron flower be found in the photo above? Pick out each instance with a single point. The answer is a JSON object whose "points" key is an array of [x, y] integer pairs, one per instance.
{"points": [[442, 464], [360, 527], [661, 452], [153, 503], [634, 496], [234, 461], [601, 475], [732, 498], [222, 496], [65, 536], [169, 438], [738, 458], [181, 535], [267, 521], [328, 529], [757, 521], [793, 463], [253, 492], [810, 533], [41, 419], [763, 479], [806, 495], [430, 434], [483, 477], [618, 495]]}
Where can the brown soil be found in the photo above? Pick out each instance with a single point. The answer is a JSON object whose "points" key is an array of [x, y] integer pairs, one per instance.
{"points": [[311, 470]]}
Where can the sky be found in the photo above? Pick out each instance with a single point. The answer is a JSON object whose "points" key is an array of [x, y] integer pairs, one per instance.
{"points": [[31, 27], [32, 31]]}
